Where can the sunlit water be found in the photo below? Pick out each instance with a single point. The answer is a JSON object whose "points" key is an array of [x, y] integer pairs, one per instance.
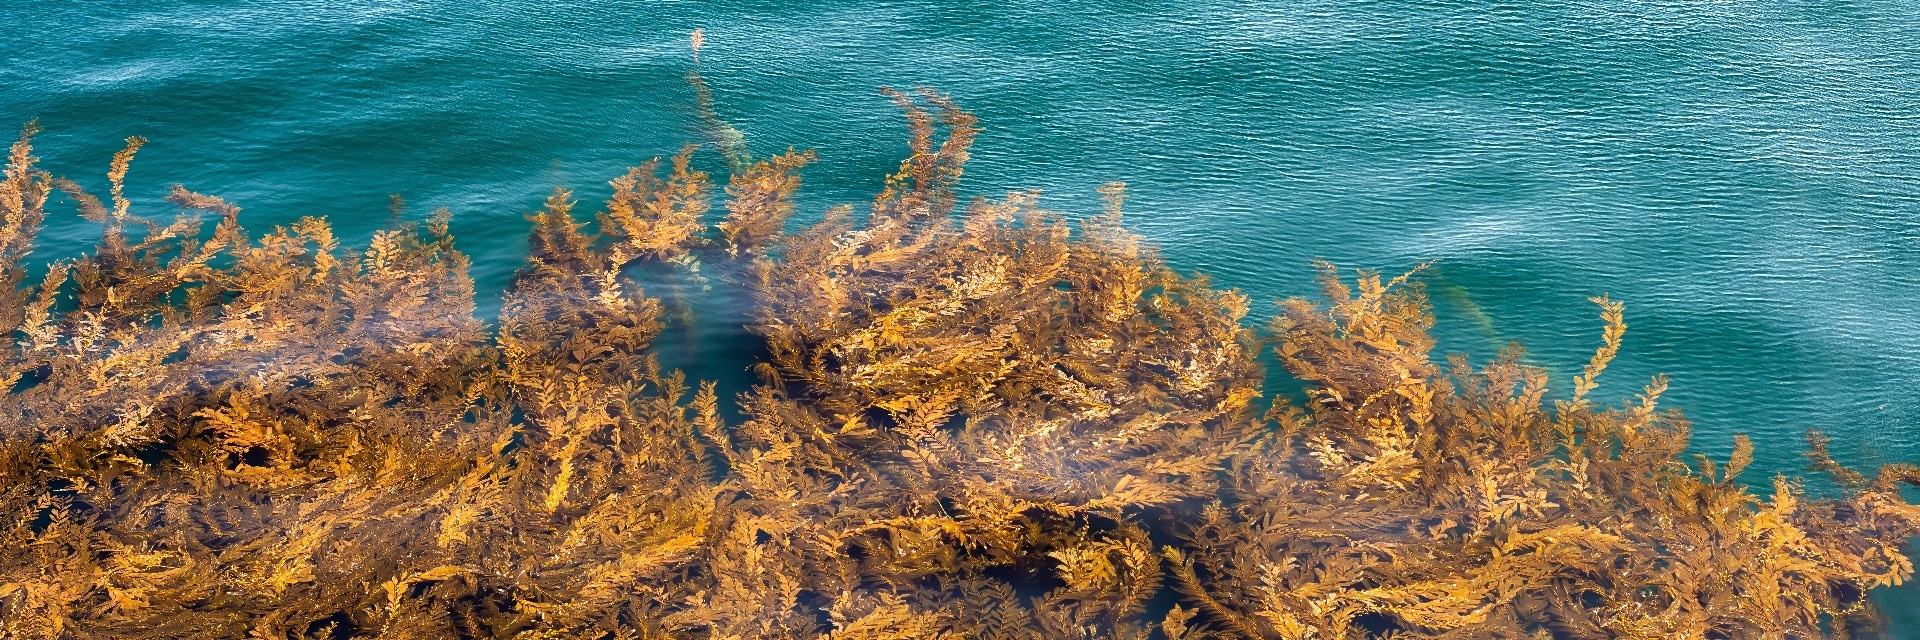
{"points": [[1745, 175]]}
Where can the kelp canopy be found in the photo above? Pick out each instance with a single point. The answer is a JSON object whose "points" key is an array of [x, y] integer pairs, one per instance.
{"points": [[975, 421]]}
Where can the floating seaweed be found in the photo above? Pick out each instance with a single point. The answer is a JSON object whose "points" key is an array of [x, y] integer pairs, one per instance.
{"points": [[976, 420]]}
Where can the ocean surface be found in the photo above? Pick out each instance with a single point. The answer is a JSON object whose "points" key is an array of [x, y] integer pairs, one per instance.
{"points": [[1744, 175]]}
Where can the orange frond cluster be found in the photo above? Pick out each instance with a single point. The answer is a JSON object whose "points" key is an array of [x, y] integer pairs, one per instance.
{"points": [[974, 421]]}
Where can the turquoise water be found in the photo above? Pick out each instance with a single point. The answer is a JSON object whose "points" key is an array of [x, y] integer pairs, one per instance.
{"points": [[1745, 175]]}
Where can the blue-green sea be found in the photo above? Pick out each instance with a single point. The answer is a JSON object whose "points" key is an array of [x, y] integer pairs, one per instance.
{"points": [[1744, 175]]}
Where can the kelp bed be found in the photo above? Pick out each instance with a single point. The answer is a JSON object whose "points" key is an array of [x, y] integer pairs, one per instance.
{"points": [[973, 421]]}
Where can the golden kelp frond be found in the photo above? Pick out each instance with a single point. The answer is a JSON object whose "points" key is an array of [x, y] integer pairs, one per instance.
{"points": [[1364, 357], [303, 440], [759, 201], [983, 424], [1457, 507], [988, 343], [23, 198], [1027, 386], [924, 186], [598, 517], [781, 556], [236, 452], [570, 313], [123, 281], [653, 218]]}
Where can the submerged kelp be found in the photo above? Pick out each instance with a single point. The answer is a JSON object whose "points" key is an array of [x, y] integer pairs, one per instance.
{"points": [[976, 420], [1454, 504]]}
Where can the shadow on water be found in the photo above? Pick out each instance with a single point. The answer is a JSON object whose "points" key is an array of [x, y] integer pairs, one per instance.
{"points": [[706, 309]]}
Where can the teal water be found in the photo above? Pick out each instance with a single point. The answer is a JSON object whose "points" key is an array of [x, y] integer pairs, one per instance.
{"points": [[1745, 175]]}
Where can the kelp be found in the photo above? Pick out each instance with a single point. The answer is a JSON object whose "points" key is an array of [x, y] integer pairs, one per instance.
{"points": [[1454, 504], [974, 420]]}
